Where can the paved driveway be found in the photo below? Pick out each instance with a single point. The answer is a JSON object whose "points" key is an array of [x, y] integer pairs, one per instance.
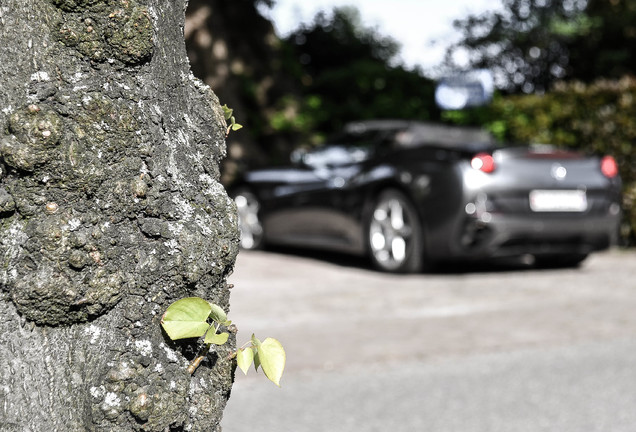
{"points": [[505, 348]]}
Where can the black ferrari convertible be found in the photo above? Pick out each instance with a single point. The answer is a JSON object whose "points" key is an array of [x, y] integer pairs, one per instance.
{"points": [[411, 193]]}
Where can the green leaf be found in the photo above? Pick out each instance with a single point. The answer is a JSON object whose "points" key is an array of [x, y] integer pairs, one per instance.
{"points": [[186, 318], [227, 111], [257, 361], [272, 357], [255, 341], [217, 314], [255, 344], [236, 126], [244, 359], [216, 338]]}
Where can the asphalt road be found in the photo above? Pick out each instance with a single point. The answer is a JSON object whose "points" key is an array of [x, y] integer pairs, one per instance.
{"points": [[466, 348]]}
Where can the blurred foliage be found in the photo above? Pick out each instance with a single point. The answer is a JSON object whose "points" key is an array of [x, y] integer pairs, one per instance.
{"points": [[597, 118], [531, 44], [608, 47], [234, 49], [301, 89], [350, 72]]}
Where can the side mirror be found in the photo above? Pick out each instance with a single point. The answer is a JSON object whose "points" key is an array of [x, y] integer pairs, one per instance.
{"points": [[464, 90], [297, 157]]}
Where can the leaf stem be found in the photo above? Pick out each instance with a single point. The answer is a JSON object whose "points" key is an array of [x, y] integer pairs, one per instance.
{"points": [[198, 359], [246, 345]]}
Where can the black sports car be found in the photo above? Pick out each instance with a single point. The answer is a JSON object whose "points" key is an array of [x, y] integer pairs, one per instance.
{"points": [[410, 193]]}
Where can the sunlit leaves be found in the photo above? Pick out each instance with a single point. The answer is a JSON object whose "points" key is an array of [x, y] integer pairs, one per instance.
{"points": [[269, 355], [233, 125], [194, 317], [244, 358], [216, 338], [218, 315], [190, 317], [186, 318], [272, 357]]}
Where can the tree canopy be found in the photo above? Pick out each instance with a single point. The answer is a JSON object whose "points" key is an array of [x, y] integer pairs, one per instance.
{"points": [[295, 90], [350, 72], [531, 44]]}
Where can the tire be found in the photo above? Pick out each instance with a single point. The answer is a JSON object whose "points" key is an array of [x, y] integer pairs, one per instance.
{"points": [[250, 226], [394, 234]]}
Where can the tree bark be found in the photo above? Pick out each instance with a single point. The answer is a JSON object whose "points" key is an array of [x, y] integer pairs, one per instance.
{"points": [[110, 209]]}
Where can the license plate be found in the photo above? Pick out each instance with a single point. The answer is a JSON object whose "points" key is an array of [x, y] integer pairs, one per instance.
{"points": [[558, 201]]}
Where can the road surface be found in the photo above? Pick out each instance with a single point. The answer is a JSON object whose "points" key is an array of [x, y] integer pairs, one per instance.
{"points": [[466, 348]]}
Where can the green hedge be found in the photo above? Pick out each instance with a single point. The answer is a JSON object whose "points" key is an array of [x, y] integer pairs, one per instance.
{"points": [[597, 118]]}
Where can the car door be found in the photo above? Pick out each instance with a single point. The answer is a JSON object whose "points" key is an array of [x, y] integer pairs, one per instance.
{"points": [[315, 210]]}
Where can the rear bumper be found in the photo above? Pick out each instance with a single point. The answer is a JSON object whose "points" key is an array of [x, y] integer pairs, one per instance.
{"points": [[504, 235]]}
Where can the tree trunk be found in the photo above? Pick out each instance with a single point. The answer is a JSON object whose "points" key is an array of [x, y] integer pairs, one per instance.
{"points": [[110, 209]]}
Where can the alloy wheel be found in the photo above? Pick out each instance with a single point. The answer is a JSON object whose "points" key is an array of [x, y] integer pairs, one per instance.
{"points": [[394, 234], [249, 223]]}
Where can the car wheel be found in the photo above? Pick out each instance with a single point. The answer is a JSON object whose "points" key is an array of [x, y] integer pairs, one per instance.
{"points": [[394, 234], [250, 225]]}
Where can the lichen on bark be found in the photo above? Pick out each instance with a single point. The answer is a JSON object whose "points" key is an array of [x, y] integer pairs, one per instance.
{"points": [[110, 209], [106, 30]]}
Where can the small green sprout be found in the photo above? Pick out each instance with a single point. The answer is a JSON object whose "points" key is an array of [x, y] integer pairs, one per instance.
{"points": [[194, 317], [233, 125]]}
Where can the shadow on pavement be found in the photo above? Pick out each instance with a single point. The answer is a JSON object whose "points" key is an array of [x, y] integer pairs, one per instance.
{"points": [[524, 263]]}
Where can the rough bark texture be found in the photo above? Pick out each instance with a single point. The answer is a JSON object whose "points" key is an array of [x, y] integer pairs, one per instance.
{"points": [[110, 209]]}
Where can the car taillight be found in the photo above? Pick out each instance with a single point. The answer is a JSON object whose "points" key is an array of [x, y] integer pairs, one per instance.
{"points": [[609, 167], [483, 162]]}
